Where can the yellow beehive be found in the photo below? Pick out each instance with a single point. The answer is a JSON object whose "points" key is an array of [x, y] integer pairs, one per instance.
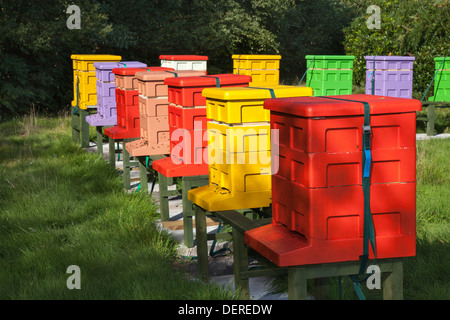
{"points": [[239, 138], [239, 147], [261, 77], [264, 69], [84, 77], [256, 61], [243, 105]]}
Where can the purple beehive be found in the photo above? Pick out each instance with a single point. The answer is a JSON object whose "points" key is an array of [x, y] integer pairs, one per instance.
{"points": [[106, 95], [392, 75]]}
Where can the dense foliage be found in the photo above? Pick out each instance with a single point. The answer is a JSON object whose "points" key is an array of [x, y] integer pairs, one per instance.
{"points": [[35, 43], [418, 28]]}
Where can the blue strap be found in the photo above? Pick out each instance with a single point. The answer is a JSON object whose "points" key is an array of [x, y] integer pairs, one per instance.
{"points": [[123, 64], [304, 74], [373, 78], [217, 80], [272, 93], [435, 74], [176, 74], [369, 231]]}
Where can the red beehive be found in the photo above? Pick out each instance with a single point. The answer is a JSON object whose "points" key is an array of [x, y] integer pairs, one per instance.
{"points": [[187, 112], [153, 112], [317, 194], [187, 92]]}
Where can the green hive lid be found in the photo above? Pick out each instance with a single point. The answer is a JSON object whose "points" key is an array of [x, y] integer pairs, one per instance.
{"points": [[445, 65], [333, 57]]}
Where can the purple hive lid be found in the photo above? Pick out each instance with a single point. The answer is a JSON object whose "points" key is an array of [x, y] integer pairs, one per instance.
{"points": [[121, 64], [391, 58]]}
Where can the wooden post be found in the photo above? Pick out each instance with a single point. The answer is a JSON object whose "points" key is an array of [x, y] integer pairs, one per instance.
{"points": [[126, 165], [112, 152], [100, 140], [240, 257], [431, 119], [84, 128], [202, 244], [393, 284], [143, 174], [189, 183], [297, 284], [75, 127]]}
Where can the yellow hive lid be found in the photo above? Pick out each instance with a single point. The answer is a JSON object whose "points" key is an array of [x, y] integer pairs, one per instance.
{"points": [[96, 57], [256, 56], [253, 92]]}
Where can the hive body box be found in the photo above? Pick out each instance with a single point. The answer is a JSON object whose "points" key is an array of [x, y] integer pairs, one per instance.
{"points": [[127, 101], [330, 75], [153, 112], [317, 195], [264, 69], [392, 76], [84, 75], [188, 123], [106, 94], [441, 80], [184, 62], [239, 147]]}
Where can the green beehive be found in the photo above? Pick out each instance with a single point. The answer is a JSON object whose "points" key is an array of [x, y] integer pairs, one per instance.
{"points": [[330, 75], [441, 80]]}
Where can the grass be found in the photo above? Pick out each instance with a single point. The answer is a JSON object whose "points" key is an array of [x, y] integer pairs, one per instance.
{"points": [[61, 206]]}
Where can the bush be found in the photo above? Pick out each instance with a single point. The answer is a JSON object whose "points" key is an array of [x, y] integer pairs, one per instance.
{"points": [[418, 28]]}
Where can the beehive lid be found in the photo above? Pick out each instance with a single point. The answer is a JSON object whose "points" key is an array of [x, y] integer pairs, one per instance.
{"points": [[183, 57], [256, 56], [132, 71], [208, 81], [161, 75], [445, 65], [248, 93], [121, 64], [95, 57], [331, 57], [390, 58], [324, 107]]}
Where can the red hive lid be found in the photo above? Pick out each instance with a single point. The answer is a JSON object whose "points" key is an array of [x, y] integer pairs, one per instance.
{"points": [[183, 57], [324, 107], [208, 81], [132, 71], [161, 75]]}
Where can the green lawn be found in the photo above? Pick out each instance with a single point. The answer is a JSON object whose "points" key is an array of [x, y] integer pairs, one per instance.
{"points": [[61, 206]]}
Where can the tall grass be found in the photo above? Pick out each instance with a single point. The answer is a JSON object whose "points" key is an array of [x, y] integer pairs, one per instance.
{"points": [[61, 206]]}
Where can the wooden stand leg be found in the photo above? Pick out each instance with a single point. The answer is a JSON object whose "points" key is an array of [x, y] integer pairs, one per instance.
{"points": [[240, 257], [297, 284], [84, 128], [100, 140], [188, 212], [202, 244], [112, 152], [393, 284], [143, 174], [189, 183], [126, 165], [75, 127], [431, 119], [163, 197]]}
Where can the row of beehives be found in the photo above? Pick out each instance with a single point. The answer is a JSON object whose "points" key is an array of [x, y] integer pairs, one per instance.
{"points": [[313, 177]]}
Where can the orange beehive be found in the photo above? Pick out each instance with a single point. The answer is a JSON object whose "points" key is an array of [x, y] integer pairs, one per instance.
{"points": [[153, 112]]}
